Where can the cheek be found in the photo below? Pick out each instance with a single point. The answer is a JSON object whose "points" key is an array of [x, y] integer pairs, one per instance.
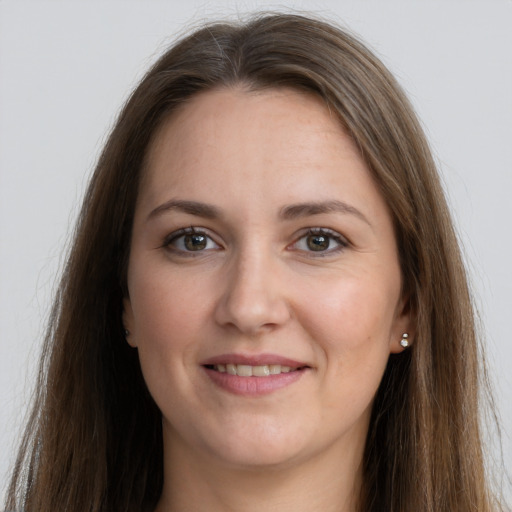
{"points": [[351, 320], [168, 319], [348, 321], [350, 312], [167, 312]]}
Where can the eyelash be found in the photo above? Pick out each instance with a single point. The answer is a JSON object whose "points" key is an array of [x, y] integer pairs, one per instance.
{"points": [[327, 233], [173, 237], [181, 233]]}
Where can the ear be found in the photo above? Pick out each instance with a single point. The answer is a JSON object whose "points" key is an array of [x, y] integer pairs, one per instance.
{"points": [[128, 322], [405, 323]]}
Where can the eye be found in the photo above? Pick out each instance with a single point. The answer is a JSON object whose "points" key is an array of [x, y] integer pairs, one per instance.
{"points": [[190, 240], [320, 240]]}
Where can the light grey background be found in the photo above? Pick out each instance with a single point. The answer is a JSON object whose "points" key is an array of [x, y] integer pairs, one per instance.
{"points": [[66, 67]]}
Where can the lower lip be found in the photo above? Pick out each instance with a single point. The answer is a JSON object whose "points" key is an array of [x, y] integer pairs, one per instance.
{"points": [[253, 386]]}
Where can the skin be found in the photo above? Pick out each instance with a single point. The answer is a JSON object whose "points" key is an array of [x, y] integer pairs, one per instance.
{"points": [[258, 287]]}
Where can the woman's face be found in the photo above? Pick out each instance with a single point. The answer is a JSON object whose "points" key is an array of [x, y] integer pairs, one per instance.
{"points": [[261, 245]]}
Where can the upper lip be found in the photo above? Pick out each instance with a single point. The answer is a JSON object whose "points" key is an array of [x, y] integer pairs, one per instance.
{"points": [[253, 360]]}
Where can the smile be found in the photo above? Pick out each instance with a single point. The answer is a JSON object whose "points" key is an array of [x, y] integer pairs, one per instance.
{"points": [[253, 375], [245, 370]]}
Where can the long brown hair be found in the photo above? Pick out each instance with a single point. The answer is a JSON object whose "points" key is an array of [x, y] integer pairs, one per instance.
{"points": [[94, 441]]}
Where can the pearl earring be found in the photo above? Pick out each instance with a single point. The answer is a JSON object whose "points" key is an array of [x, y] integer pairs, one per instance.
{"points": [[404, 341], [126, 333]]}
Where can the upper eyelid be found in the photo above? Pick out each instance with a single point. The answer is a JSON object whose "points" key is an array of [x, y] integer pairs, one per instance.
{"points": [[342, 241], [190, 230], [322, 231], [312, 230]]}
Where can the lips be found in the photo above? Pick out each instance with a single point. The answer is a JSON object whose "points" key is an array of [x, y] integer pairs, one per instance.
{"points": [[253, 375], [246, 370], [253, 360]]}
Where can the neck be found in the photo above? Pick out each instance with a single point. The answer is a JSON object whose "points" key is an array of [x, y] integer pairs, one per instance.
{"points": [[330, 483]]}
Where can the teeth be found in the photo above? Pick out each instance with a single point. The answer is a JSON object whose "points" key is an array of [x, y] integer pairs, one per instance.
{"points": [[261, 371], [245, 370], [274, 369]]}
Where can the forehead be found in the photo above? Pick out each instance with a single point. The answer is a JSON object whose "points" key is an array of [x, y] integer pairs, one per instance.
{"points": [[247, 114], [276, 144]]}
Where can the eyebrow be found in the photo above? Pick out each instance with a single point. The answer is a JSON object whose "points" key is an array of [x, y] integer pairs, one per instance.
{"points": [[204, 210], [290, 212], [299, 210]]}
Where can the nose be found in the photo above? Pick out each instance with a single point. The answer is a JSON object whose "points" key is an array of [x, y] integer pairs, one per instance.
{"points": [[254, 296]]}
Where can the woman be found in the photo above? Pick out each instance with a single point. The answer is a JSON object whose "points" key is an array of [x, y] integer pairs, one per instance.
{"points": [[265, 304]]}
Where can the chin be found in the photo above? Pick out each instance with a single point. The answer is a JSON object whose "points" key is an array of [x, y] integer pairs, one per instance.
{"points": [[260, 458], [262, 448]]}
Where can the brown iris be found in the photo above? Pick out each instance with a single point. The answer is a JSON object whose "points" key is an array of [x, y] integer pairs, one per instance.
{"points": [[318, 242], [195, 242]]}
